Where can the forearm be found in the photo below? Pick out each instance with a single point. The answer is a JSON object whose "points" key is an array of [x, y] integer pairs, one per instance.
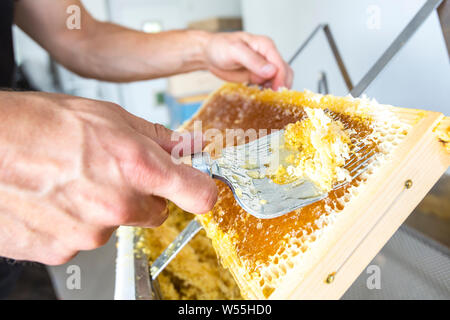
{"points": [[114, 53], [72, 170], [110, 52]]}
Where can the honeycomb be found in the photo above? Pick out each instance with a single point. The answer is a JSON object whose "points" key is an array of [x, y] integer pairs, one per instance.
{"points": [[195, 273], [261, 252], [316, 149]]}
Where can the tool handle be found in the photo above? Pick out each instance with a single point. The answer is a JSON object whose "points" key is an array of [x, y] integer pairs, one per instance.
{"points": [[171, 251], [202, 162]]}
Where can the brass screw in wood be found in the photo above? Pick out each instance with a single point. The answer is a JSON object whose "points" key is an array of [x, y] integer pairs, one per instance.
{"points": [[330, 278], [408, 184]]}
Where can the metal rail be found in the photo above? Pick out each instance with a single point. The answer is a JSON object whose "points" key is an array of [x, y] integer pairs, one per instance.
{"points": [[145, 279], [334, 49], [398, 43], [395, 46]]}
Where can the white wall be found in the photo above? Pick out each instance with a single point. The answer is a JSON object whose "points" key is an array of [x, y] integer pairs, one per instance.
{"points": [[97, 8], [418, 77], [175, 13], [97, 266], [138, 97]]}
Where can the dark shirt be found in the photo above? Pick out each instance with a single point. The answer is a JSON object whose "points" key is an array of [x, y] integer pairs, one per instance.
{"points": [[8, 272], [7, 65]]}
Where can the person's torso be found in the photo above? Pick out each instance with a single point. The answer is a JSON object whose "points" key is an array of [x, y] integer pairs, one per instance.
{"points": [[6, 46]]}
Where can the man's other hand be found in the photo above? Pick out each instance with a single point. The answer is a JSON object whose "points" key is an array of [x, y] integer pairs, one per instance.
{"points": [[243, 57]]}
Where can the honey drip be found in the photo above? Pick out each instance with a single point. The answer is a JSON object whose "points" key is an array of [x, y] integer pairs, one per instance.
{"points": [[256, 240]]}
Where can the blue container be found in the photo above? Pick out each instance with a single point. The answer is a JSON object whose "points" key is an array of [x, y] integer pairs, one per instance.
{"points": [[179, 112]]}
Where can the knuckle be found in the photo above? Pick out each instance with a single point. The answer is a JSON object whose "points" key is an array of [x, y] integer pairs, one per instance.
{"points": [[73, 101], [114, 105], [160, 130], [109, 105], [265, 39], [208, 198], [170, 177], [121, 213], [204, 190], [164, 214], [269, 41], [157, 214], [136, 152], [135, 162], [237, 48], [94, 240], [160, 220], [59, 258]]}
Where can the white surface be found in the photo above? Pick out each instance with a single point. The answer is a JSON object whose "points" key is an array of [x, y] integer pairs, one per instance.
{"points": [[124, 289], [418, 77], [96, 274], [411, 267]]}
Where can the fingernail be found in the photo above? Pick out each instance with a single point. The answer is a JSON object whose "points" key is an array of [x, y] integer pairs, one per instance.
{"points": [[267, 84], [165, 212], [268, 69], [197, 139]]}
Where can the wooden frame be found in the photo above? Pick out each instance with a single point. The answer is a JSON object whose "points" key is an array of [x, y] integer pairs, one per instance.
{"points": [[368, 221]]}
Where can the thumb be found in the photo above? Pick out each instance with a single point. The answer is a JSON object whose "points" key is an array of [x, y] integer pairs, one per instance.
{"points": [[154, 172], [192, 190], [254, 62], [174, 142]]}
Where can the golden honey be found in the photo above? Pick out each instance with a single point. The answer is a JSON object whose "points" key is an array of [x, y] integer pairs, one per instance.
{"points": [[315, 149], [195, 273], [256, 240]]}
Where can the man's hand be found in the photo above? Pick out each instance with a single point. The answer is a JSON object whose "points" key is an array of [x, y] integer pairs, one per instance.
{"points": [[243, 57], [72, 170], [110, 52]]}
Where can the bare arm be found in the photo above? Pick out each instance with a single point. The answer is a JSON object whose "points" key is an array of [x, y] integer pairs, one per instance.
{"points": [[110, 52], [72, 170]]}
